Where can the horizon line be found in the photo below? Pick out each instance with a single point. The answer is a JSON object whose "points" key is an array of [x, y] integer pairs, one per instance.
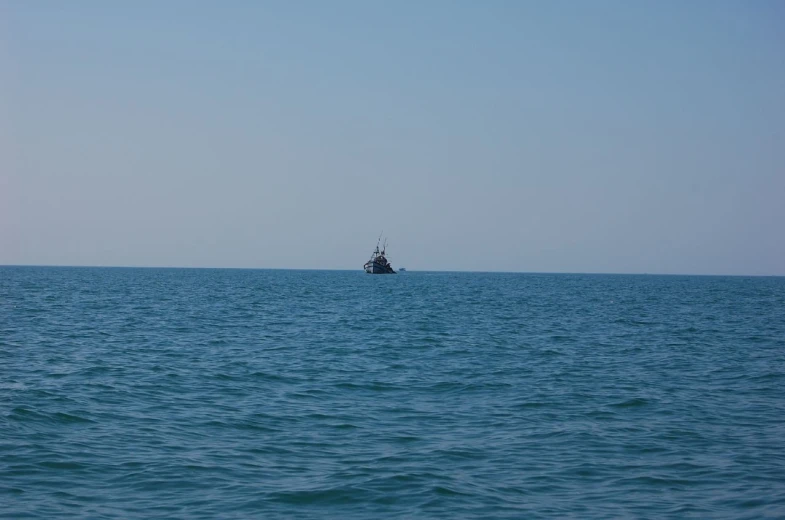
{"points": [[84, 266]]}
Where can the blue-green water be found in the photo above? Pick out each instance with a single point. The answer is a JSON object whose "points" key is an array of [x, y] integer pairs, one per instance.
{"points": [[176, 393]]}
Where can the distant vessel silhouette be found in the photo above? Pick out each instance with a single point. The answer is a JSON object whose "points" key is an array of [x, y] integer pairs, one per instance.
{"points": [[378, 264]]}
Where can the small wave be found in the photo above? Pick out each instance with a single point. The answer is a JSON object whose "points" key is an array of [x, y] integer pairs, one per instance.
{"points": [[406, 439], [13, 386], [24, 415], [532, 404], [331, 496], [62, 465], [446, 491], [267, 376], [372, 386], [460, 453], [653, 481], [346, 426], [632, 403]]}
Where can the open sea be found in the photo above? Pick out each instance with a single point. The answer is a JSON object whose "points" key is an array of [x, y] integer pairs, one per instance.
{"points": [[230, 394]]}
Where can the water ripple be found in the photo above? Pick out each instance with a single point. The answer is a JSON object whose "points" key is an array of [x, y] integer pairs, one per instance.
{"points": [[138, 393]]}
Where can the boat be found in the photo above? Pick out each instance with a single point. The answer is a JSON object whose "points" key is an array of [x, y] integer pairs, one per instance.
{"points": [[378, 264]]}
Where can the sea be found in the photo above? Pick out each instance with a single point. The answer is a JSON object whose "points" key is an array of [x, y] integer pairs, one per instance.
{"points": [[136, 393]]}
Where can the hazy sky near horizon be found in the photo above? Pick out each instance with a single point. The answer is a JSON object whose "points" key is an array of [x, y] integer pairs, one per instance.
{"points": [[603, 136]]}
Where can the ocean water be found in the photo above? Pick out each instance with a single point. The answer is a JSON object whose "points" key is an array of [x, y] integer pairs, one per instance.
{"points": [[201, 393]]}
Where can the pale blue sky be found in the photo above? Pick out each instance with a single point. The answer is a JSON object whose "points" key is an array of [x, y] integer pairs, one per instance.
{"points": [[503, 135]]}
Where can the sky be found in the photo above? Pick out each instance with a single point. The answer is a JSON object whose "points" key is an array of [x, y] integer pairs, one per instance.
{"points": [[527, 136]]}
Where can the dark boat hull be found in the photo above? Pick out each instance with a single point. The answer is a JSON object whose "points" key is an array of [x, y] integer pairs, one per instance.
{"points": [[377, 268]]}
